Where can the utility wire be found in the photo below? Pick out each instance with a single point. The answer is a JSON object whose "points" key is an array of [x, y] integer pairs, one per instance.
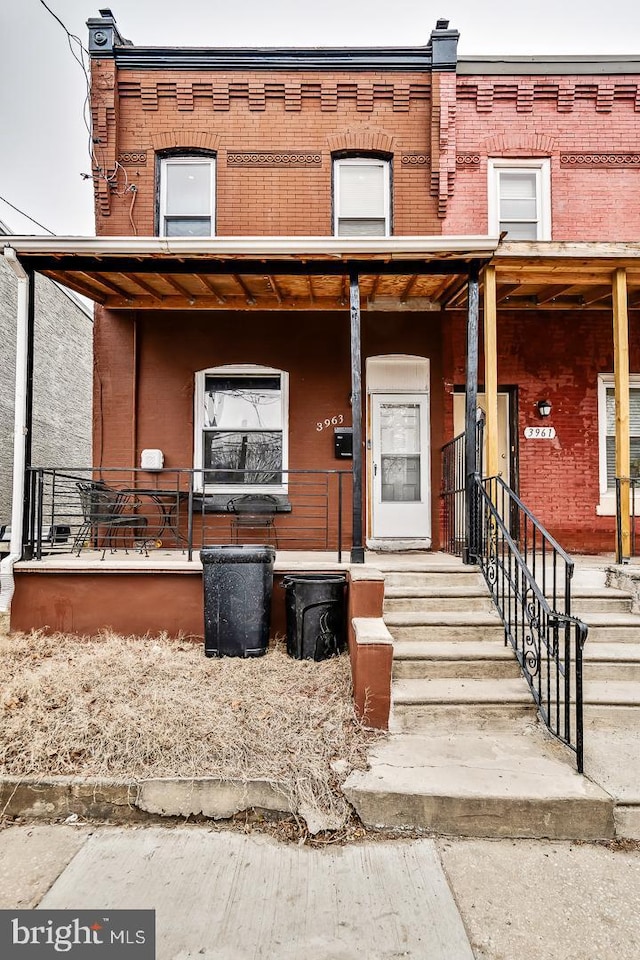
{"points": [[79, 57], [70, 35], [23, 214]]}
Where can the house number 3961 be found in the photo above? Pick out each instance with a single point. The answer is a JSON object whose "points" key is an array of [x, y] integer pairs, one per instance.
{"points": [[329, 422]]}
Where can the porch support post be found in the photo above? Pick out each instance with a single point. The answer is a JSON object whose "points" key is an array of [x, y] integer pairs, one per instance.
{"points": [[492, 466], [357, 542], [621, 382], [471, 404]]}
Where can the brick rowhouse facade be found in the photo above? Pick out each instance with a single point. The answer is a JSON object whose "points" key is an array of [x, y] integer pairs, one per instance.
{"points": [[274, 133]]}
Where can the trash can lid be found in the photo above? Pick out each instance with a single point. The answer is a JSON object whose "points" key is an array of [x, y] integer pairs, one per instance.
{"points": [[238, 553], [291, 578]]}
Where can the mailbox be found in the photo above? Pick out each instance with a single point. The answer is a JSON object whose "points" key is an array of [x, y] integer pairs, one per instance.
{"points": [[343, 443]]}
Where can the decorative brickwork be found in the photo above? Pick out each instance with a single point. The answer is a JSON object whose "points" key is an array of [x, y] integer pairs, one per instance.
{"points": [[415, 160], [443, 138], [325, 94], [286, 158], [133, 157], [468, 161], [600, 159], [184, 138], [525, 91]]}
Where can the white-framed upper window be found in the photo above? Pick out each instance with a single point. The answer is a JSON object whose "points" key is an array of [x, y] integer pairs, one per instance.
{"points": [[361, 197], [187, 196], [607, 436], [241, 429], [520, 198]]}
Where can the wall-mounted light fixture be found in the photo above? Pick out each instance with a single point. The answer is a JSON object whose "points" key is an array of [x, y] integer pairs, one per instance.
{"points": [[544, 407]]}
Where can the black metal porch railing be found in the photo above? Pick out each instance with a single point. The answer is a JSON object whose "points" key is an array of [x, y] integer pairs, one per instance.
{"points": [[70, 510], [623, 555], [453, 487], [530, 581]]}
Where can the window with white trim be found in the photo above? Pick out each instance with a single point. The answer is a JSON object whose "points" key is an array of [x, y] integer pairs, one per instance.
{"points": [[362, 199], [607, 435], [187, 196], [241, 428], [520, 198]]}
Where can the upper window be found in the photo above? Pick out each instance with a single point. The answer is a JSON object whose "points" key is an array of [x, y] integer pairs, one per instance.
{"points": [[362, 206], [519, 199], [187, 191], [241, 436], [607, 425]]}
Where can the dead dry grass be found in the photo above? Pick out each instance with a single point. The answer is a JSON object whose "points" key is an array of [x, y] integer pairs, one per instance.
{"points": [[112, 706]]}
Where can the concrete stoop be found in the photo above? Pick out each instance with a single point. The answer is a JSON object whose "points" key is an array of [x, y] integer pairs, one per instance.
{"points": [[490, 782], [466, 754]]}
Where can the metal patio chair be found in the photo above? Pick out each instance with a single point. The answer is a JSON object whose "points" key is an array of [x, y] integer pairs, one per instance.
{"points": [[253, 511], [106, 513]]}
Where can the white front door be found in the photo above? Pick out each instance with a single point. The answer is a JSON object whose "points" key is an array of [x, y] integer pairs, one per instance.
{"points": [[400, 466]]}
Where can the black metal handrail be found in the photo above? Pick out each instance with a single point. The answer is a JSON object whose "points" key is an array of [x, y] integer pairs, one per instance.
{"points": [[177, 508], [453, 488], [524, 582], [632, 484]]}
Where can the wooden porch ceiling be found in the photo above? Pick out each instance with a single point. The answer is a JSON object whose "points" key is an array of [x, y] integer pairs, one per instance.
{"points": [[528, 276]]}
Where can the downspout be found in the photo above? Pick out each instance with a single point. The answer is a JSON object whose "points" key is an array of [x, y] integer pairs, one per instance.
{"points": [[19, 431]]}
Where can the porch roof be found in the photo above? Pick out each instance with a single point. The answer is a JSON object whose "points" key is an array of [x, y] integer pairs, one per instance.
{"points": [[298, 273]]}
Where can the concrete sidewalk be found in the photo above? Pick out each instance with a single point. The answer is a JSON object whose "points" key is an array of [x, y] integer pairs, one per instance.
{"points": [[221, 895]]}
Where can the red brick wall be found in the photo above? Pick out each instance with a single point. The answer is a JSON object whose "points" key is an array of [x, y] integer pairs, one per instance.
{"points": [[228, 113], [439, 129], [555, 356], [312, 347], [552, 117]]}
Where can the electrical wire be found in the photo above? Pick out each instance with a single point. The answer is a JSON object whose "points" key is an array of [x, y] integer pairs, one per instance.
{"points": [[23, 214], [97, 165]]}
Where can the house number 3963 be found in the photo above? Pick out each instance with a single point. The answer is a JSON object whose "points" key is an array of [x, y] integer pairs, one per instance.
{"points": [[329, 422]]}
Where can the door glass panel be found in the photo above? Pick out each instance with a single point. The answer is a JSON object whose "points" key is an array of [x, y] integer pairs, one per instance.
{"points": [[400, 452]]}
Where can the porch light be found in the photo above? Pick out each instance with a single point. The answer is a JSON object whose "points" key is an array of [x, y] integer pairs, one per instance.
{"points": [[544, 407]]}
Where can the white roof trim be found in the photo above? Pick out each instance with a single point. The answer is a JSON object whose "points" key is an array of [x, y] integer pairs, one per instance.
{"points": [[396, 247]]}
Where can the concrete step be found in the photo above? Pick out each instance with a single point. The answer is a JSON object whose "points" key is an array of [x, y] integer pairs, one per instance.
{"points": [[431, 600], [460, 700], [604, 600], [612, 661], [613, 627], [435, 579], [444, 626], [415, 659], [494, 782]]}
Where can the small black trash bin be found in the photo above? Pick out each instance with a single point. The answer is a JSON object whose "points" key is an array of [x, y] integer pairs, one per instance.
{"points": [[238, 583], [315, 615]]}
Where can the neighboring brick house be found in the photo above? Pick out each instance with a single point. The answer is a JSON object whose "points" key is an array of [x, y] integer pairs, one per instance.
{"points": [[63, 375], [250, 201]]}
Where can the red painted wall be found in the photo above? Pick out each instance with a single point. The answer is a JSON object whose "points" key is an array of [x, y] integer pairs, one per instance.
{"points": [[555, 356]]}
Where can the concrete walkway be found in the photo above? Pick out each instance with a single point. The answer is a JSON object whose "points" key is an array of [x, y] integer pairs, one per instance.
{"points": [[226, 896]]}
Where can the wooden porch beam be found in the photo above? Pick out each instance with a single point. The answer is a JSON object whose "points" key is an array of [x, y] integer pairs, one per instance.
{"points": [[357, 540], [621, 383], [406, 293], [492, 465], [107, 284], [191, 297], [62, 277], [245, 289], [143, 285], [210, 287], [554, 294]]}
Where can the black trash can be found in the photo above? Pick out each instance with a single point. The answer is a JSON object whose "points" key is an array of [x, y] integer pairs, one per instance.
{"points": [[315, 607], [238, 584]]}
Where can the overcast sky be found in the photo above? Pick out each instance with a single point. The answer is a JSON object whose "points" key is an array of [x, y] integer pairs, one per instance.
{"points": [[43, 142]]}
